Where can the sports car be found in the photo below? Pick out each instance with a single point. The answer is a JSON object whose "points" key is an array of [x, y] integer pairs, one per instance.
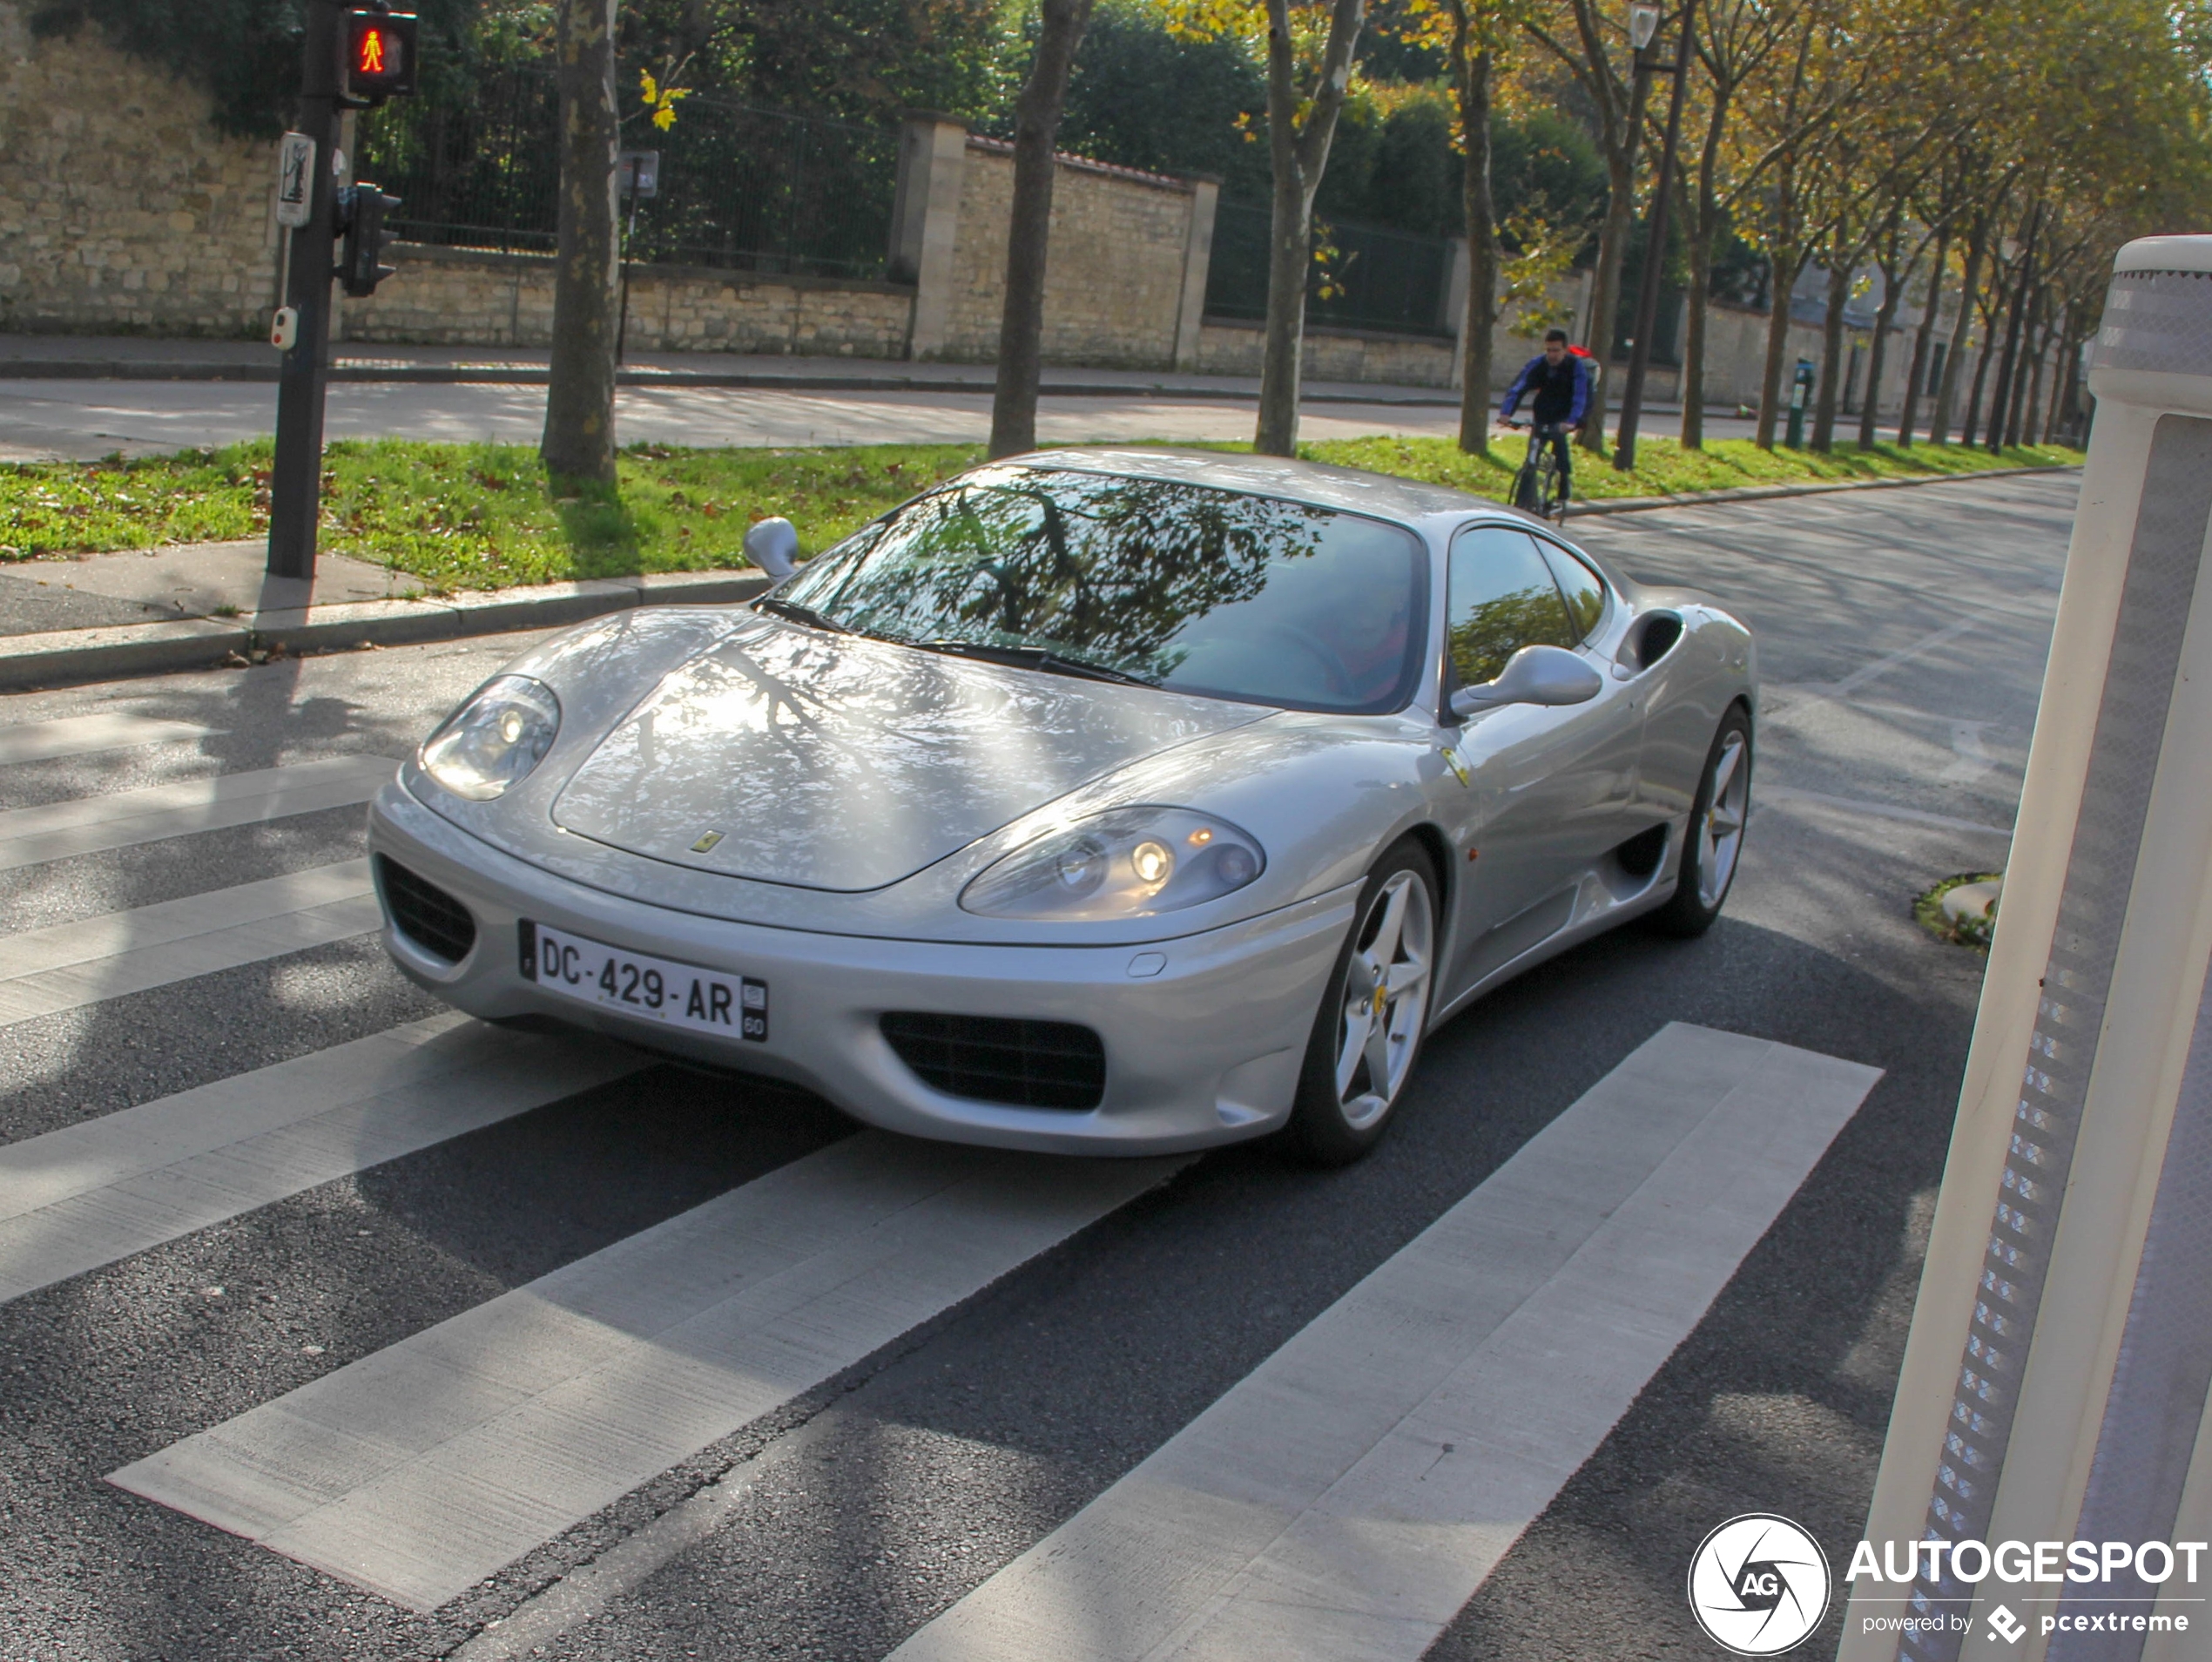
{"points": [[1101, 800]]}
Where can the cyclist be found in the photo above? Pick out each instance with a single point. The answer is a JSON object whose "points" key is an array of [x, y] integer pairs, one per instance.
{"points": [[1559, 379]]}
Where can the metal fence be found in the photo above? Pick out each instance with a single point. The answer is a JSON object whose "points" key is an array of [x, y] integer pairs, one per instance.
{"points": [[1372, 277], [739, 187]]}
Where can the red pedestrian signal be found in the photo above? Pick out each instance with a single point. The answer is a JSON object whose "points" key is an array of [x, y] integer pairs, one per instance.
{"points": [[376, 57]]}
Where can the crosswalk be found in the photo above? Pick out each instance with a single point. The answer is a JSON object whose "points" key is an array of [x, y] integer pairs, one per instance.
{"points": [[1343, 1501]]}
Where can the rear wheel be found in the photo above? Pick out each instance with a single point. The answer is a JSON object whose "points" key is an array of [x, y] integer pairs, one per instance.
{"points": [[1713, 841], [1368, 1033]]}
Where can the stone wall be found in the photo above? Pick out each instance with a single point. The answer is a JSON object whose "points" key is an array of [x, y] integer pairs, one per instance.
{"points": [[469, 297], [1114, 267], [122, 209]]}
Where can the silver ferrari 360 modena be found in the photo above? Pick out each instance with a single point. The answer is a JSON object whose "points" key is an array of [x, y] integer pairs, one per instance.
{"points": [[1106, 802]]}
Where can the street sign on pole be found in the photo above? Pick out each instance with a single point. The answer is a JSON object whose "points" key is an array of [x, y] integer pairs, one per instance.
{"points": [[639, 172], [296, 179]]}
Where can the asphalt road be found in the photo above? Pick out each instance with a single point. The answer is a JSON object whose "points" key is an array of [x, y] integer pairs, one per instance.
{"points": [[84, 420], [1903, 635]]}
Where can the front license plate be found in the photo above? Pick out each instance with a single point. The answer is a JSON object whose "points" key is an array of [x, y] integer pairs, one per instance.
{"points": [[635, 984]]}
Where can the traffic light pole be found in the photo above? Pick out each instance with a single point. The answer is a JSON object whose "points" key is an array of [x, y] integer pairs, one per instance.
{"points": [[295, 487]]}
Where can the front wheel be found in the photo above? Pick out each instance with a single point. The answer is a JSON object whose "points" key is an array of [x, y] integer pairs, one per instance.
{"points": [[1368, 1032], [1713, 841]]}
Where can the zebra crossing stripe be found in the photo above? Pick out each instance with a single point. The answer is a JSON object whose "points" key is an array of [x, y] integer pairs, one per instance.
{"points": [[123, 818], [418, 1470], [89, 1195], [68, 965], [1346, 1499], [85, 735]]}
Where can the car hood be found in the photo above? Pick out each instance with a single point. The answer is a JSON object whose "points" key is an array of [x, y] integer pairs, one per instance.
{"points": [[835, 762]]}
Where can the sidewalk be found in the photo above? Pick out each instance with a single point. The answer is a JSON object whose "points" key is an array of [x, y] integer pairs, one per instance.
{"points": [[80, 357], [204, 605]]}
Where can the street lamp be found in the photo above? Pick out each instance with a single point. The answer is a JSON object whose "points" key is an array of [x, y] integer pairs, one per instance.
{"points": [[1643, 25]]}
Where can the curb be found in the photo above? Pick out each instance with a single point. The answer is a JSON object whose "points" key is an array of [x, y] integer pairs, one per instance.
{"points": [[64, 656], [442, 375], [1763, 493]]}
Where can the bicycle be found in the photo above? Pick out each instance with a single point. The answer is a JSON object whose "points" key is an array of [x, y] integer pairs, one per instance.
{"points": [[1539, 488]]}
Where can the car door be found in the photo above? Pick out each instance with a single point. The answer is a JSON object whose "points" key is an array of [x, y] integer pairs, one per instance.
{"points": [[1550, 789]]}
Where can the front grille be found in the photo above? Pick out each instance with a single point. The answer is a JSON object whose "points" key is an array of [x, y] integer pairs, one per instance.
{"points": [[424, 913], [1031, 1065]]}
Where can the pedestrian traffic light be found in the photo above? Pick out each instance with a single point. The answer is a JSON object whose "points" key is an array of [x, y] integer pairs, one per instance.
{"points": [[362, 209], [376, 57]]}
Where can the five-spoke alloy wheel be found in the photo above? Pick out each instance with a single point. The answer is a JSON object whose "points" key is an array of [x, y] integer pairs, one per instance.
{"points": [[1713, 840], [1368, 1033]]}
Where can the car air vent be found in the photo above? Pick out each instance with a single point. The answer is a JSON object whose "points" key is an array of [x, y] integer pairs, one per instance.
{"points": [[424, 913], [989, 1058]]}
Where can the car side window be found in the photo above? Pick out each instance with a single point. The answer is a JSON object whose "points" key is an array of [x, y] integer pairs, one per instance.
{"points": [[1500, 597], [1584, 592]]}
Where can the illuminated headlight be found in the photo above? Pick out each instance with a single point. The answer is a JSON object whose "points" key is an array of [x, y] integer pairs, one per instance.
{"points": [[491, 743], [1131, 863]]}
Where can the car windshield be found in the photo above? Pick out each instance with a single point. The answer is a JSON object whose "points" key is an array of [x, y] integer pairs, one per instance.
{"points": [[1172, 584]]}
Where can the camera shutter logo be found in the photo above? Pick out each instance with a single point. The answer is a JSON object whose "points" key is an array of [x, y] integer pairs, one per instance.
{"points": [[1759, 1585]]}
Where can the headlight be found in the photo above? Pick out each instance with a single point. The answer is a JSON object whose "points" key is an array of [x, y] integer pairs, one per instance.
{"points": [[1131, 863], [492, 742]]}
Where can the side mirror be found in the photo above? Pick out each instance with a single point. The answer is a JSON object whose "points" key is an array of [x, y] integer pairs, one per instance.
{"points": [[772, 545], [1534, 675]]}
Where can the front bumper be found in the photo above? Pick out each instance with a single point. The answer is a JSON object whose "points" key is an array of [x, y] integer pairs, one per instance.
{"points": [[1204, 1049]]}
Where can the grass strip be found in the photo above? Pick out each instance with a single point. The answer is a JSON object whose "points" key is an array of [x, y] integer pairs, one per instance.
{"points": [[481, 516]]}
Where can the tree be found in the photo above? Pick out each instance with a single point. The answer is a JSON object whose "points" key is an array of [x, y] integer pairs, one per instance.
{"points": [[1299, 148], [1586, 39], [1733, 43], [1037, 124], [579, 440], [1473, 56]]}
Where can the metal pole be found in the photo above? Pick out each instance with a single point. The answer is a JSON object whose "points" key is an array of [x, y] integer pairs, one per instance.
{"points": [[295, 486], [1655, 254]]}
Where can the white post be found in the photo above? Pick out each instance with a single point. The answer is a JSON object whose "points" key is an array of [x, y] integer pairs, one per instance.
{"points": [[925, 224], [2058, 1376], [1198, 263]]}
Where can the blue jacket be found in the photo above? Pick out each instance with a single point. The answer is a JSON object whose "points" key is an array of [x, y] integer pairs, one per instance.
{"points": [[1563, 394]]}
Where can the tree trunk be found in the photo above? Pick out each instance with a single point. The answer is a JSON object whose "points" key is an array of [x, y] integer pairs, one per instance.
{"points": [[1783, 267], [2062, 411], [1037, 124], [1982, 376], [2001, 401], [1923, 338], [1298, 155], [1832, 354], [1893, 282], [2028, 383], [1612, 249], [1288, 252], [579, 437], [1479, 209], [1704, 225], [1969, 286]]}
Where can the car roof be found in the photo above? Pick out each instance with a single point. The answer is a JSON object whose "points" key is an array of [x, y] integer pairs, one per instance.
{"points": [[1271, 476]]}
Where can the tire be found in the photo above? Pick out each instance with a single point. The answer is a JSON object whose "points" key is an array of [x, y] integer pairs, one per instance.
{"points": [[1526, 495], [1343, 1107], [1712, 844]]}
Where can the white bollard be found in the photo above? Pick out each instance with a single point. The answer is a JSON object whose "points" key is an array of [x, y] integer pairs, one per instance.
{"points": [[2056, 1383]]}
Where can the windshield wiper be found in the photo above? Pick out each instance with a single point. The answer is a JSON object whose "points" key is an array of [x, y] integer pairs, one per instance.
{"points": [[1035, 657], [798, 613]]}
